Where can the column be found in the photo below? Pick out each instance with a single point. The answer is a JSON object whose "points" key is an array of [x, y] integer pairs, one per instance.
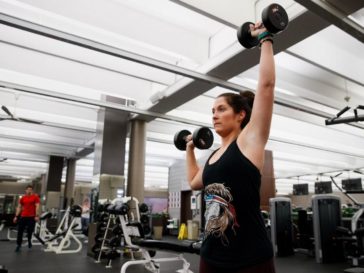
{"points": [[53, 185], [70, 182], [136, 168], [109, 157], [268, 186]]}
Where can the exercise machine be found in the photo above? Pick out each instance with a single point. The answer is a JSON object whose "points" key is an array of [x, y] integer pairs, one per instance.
{"points": [[61, 242], [281, 226], [326, 218]]}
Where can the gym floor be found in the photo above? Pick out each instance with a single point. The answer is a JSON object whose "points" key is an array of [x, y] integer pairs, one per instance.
{"points": [[38, 261]]}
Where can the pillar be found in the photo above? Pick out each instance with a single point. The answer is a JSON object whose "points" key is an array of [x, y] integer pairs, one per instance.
{"points": [[268, 185], [136, 168], [111, 132], [70, 182], [53, 185]]}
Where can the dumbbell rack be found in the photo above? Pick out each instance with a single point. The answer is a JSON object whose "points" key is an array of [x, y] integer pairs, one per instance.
{"points": [[108, 247], [145, 218], [103, 247]]}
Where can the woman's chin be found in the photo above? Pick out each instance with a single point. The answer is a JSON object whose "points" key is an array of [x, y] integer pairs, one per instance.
{"points": [[218, 131]]}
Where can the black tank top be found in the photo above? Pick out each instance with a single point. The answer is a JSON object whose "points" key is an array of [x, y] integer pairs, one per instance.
{"points": [[249, 244]]}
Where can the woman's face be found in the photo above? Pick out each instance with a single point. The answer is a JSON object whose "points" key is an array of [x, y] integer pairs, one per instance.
{"points": [[224, 119]]}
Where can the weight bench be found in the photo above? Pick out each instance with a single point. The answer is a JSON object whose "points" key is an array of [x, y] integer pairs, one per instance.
{"points": [[134, 239], [147, 245], [182, 246]]}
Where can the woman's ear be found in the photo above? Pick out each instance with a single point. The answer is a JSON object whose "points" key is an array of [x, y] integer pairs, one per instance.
{"points": [[241, 116]]}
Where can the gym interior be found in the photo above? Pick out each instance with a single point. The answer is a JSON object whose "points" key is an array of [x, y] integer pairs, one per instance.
{"points": [[97, 98]]}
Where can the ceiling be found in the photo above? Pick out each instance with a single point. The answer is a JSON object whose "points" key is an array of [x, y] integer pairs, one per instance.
{"points": [[172, 58]]}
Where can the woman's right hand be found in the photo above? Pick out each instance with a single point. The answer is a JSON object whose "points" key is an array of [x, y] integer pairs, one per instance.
{"points": [[189, 143], [257, 29]]}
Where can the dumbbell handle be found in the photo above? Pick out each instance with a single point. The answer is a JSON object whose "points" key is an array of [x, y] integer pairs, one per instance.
{"points": [[255, 32], [189, 140]]}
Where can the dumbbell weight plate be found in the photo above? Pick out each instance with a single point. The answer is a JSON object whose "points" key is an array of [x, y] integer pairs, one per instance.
{"points": [[244, 37], [121, 209], [125, 209], [99, 237], [180, 139], [143, 208], [144, 219], [111, 209], [275, 18], [117, 230], [104, 217], [101, 227], [203, 138], [147, 230], [95, 249], [115, 241], [112, 254]]}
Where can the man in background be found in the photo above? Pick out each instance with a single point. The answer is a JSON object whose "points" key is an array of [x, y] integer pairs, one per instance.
{"points": [[27, 213]]}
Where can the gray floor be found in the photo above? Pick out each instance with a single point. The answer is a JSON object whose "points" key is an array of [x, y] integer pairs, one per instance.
{"points": [[38, 261]]}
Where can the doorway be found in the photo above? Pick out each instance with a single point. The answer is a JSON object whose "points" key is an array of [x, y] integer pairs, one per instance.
{"points": [[186, 212]]}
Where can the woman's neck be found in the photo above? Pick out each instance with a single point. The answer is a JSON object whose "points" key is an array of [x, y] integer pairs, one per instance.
{"points": [[227, 140]]}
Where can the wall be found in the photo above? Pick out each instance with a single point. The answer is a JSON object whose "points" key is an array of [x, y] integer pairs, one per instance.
{"points": [[156, 194], [81, 191], [176, 182], [12, 188], [305, 200], [268, 185]]}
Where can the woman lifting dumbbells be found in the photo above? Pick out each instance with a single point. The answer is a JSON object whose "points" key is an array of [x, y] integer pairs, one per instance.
{"points": [[235, 238]]}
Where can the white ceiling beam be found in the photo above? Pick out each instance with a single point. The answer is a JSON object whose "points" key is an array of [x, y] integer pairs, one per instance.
{"points": [[47, 142], [335, 16], [319, 65], [307, 89], [37, 151], [343, 55], [24, 156]]}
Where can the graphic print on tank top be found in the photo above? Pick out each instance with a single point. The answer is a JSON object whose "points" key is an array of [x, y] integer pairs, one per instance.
{"points": [[220, 213]]}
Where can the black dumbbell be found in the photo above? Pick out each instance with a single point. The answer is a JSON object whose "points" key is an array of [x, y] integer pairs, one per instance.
{"points": [[117, 230], [111, 208], [121, 209], [114, 241], [112, 254], [202, 138], [144, 219], [104, 217], [274, 18], [143, 208], [96, 248], [146, 229]]}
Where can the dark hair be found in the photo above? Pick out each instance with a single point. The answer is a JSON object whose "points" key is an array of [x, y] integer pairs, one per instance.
{"points": [[29, 186], [240, 102]]}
